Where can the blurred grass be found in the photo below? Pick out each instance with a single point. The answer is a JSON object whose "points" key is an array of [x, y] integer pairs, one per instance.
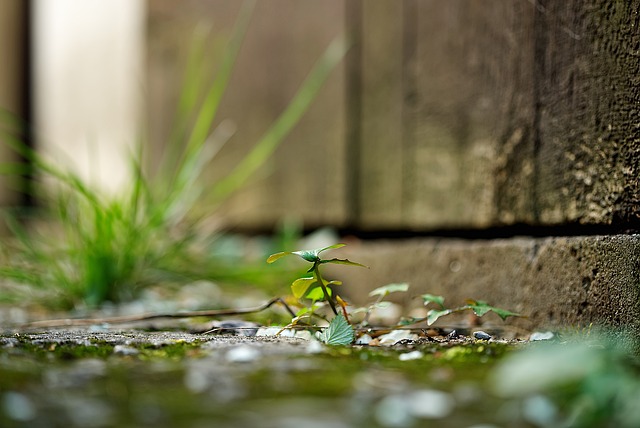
{"points": [[83, 246]]}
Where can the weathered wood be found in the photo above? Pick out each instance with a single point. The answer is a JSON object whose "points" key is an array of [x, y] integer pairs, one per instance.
{"points": [[519, 113], [13, 83], [588, 63], [381, 160], [447, 114], [306, 177], [455, 116], [466, 116]]}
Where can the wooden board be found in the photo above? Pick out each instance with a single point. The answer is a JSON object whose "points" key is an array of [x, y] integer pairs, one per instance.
{"points": [[13, 83], [587, 68], [459, 115], [305, 179], [447, 114], [381, 126], [87, 86]]}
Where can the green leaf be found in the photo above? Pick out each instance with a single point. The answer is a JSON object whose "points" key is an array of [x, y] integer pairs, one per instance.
{"points": [[287, 120], [303, 311], [311, 256], [301, 285], [308, 255], [481, 308], [343, 262], [388, 289], [331, 247], [430, 298], [504, 314], [316, 294], [433, 315], [273, 257], [339, 332]]}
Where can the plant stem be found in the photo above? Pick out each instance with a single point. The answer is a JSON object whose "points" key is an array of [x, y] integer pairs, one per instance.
{"points": [[316, 273], [365, 320]]}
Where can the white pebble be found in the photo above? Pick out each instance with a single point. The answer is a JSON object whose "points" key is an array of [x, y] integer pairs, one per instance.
{"points": [[242, 354], [541, 335], [396, 336], [413, 355]]}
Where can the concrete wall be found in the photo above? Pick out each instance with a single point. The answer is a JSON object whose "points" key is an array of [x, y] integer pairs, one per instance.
{"points": [[556, 282]]}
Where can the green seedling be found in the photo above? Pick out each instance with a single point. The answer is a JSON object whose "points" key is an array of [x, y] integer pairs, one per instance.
{"points": [[479, 307], [317, 288], [381, 293]]}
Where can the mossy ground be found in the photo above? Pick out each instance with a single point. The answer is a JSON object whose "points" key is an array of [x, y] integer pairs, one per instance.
{"points": [[178, 382]]}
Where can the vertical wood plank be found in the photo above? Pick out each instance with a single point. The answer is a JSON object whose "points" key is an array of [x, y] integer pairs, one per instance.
{"points": [[305, 178], [13, 83], [382, 115], [588, 96], [353, 100], [473, 149]]}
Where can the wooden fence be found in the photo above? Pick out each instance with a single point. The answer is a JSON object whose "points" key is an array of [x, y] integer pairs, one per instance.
{"points": [[13, 81], [457, 114]]}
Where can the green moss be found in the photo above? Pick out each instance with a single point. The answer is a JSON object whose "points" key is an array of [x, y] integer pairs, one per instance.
{"points": [[65, 351], [174, 351]]}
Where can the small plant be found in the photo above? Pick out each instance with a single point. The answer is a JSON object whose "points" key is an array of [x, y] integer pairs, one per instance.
{"points": [[479, 307], [381, 293], [316, 289]]}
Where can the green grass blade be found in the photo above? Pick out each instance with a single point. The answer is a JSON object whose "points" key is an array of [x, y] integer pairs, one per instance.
{"points": [[208, 111], [284, 123]]}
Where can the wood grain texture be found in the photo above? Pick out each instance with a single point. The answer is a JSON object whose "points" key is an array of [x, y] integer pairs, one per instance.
{"points": [[13, 84], [588, 63], [381, 161], [518, 113], [306, 176], [447, 116], [460, 116]]}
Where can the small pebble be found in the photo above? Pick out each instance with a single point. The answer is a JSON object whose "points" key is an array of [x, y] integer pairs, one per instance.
{"points": [[365, 339], [396, 336], [541, 335], [18, 406], [242, 354], [237, 327], [481, 335], [314, 347], [125, 350], [413, 355], [452, 335], [430, 404]]}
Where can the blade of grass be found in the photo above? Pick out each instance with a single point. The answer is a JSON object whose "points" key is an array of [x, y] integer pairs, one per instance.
{"points": [[207, 113], [283, 124]]}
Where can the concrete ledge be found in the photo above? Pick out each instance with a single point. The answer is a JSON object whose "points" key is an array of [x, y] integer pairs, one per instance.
{"points": [[556, 282]]}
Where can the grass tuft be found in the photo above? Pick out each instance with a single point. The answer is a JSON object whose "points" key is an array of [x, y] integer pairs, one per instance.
{"points": [[91, 248]]}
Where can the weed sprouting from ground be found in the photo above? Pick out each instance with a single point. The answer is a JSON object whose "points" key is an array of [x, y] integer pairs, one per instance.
{"points": [[316, 291]]}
